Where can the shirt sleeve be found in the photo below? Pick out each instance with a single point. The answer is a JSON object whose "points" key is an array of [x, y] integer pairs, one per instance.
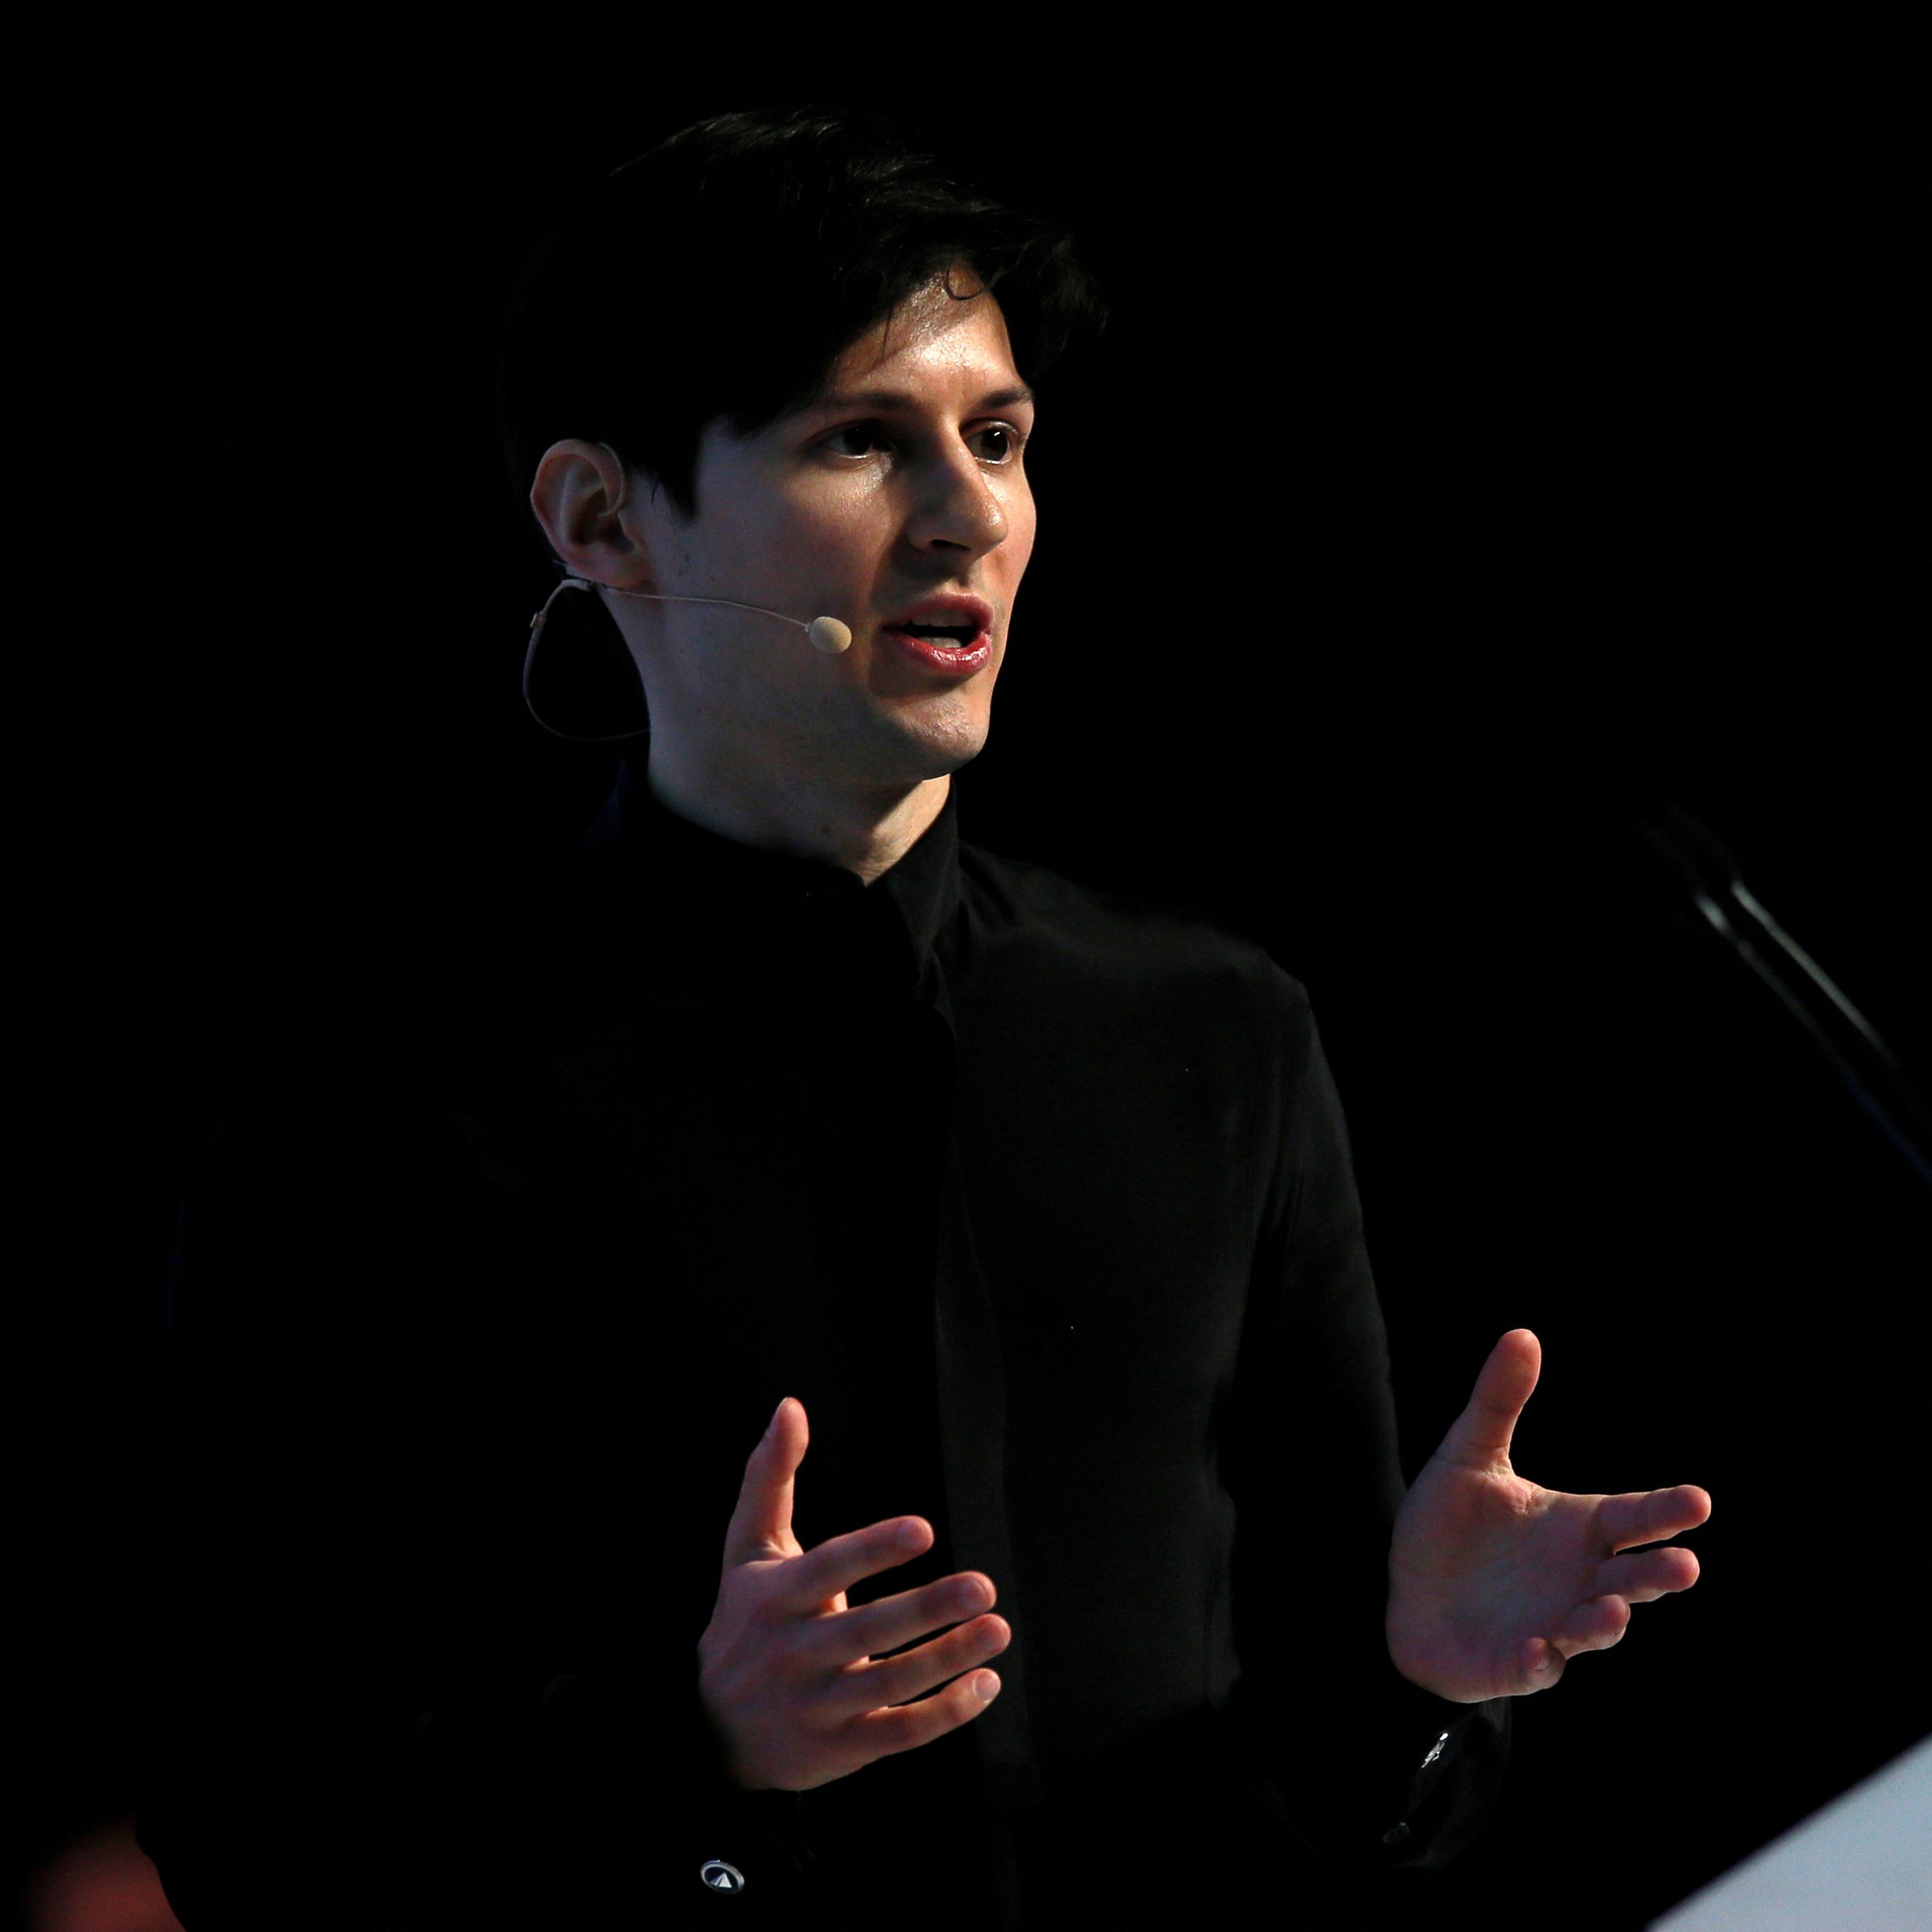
{"points": [[1368, 1773], [340, 1726]]}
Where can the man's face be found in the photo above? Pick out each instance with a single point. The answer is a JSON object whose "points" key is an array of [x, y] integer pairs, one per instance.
{"points": [[855, 508]]}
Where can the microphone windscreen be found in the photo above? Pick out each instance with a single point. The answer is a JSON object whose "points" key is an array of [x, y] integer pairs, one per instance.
{"points": [[830, 635]]}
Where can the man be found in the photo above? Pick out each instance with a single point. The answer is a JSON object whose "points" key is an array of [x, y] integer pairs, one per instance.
{"points": [[1008, 1225]]}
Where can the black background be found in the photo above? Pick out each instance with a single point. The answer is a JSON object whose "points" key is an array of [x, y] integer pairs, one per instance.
{"points": [[1500, 432]]}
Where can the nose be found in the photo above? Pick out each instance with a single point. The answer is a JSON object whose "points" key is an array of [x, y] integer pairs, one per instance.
{"points": [[958, 507]]}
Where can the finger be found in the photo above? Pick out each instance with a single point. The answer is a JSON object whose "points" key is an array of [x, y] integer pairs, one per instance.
{"points": [[1651, 1574], [912, 1673], [1483, 1432], [760, 1526], [906, 1727], [1648, 1516], [1542, 1664], [828, 1568], [1595, 1625], [874, 1629]]}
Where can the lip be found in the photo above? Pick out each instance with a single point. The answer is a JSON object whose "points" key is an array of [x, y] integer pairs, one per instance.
{"points": [[948, 607], [962, 663]]}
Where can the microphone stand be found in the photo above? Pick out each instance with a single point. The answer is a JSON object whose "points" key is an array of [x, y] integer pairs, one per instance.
{"points": [[1699, 862]]}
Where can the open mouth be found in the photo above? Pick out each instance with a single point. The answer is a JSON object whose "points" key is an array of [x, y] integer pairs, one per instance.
{"points": [[947, 637]]}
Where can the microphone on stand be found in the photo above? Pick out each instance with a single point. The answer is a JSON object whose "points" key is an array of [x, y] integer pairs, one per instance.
{"points": [[1703, 866]]}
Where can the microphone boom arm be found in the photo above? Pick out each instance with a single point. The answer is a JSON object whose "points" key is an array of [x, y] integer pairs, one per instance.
{"points": [[1861, 1060]]}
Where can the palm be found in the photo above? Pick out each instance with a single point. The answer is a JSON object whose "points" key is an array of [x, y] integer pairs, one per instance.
{"points": [[1495, 1581]]}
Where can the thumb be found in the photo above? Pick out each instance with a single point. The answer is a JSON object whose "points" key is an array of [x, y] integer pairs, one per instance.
{"points": [[761, 1523], [1482, 1433]]}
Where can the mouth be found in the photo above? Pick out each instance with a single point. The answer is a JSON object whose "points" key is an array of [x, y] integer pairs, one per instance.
{"points": [[945, 620], [947, 631], [941, 636], [945, 649]]}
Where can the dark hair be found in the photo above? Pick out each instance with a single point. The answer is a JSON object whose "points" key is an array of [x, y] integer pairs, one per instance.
{"points": [[647, 315]]}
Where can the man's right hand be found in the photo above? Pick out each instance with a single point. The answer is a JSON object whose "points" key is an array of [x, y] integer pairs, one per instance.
{"points": [[796, 1682]]}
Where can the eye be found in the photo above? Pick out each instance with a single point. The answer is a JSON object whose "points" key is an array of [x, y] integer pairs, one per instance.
{"points": [[863, 432], [1014, 440], [1011, 442]]}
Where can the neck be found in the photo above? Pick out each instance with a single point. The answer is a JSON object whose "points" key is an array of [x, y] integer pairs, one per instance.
{"points": [[867, 833]]}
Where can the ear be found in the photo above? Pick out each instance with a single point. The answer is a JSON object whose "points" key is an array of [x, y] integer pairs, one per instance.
{"points": [[581, 496]]}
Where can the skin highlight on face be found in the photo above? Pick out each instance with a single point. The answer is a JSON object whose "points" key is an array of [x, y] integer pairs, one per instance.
{"points": [[852, 508]]}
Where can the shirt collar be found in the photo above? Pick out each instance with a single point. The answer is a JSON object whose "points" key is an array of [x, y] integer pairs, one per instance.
{"points": [[736, 893]]}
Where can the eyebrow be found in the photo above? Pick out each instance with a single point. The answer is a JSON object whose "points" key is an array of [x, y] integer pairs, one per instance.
{"points": [[897, 399]]}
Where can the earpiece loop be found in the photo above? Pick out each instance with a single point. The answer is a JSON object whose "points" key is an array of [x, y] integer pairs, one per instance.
{"points": [[529, 660]]}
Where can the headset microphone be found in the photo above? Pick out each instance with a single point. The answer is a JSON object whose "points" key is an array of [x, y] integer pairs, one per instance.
{"points": [[827, 634]]}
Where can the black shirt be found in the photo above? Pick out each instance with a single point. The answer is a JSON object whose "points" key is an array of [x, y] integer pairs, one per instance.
{"points": [[1037, 1197]]}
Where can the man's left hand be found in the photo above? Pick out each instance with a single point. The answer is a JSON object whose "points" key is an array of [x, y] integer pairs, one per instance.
{"points": [[1496, 1583]]}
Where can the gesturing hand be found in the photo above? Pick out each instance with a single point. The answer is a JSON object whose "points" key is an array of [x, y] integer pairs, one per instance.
{"points": [[1494, 1583], [793, 1679]]}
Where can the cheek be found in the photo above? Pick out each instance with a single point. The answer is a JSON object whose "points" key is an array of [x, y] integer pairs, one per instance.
{"points": [[1022, 525], [835, 534]]}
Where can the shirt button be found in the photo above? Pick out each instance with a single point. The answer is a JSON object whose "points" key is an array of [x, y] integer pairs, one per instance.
{"points": [[721, 1877], [1395, 1834]]}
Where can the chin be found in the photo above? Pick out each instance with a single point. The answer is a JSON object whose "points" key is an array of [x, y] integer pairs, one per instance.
{"points": [[941, 736], [951, 749]]}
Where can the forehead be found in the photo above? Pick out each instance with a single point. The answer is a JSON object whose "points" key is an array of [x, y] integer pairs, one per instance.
{"points": [[934, 339]]}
